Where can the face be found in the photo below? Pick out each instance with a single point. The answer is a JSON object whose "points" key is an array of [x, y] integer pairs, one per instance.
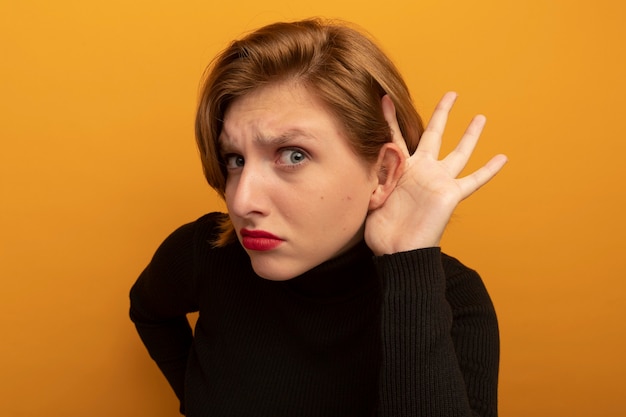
{"points": [[296, 192]]}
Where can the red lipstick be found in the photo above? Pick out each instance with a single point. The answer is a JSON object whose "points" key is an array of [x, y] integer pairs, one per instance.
{"points": [[259, 240]]}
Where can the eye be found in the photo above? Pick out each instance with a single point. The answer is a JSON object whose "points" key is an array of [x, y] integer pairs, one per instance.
{"points": [[234, 161], [292, 156]]}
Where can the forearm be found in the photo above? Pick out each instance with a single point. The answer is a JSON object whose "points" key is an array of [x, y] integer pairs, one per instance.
{"points": [[420, 374], [168, 343], [165, 332], [476, 336]]}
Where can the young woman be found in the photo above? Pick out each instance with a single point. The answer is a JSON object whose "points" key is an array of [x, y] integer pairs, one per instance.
{"points": [[323, 291]]}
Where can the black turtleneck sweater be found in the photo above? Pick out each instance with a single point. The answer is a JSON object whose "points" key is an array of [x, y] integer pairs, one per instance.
{"points": [[409, 334]]}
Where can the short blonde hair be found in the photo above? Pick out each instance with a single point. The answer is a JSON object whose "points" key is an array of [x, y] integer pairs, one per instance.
{"points": [[338, 63]]}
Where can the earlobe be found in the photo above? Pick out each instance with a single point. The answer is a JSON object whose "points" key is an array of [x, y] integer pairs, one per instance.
{"points": [[389, 167]]}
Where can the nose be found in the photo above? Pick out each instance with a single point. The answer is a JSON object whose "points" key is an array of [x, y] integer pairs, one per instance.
{"points": [[245, 193]]}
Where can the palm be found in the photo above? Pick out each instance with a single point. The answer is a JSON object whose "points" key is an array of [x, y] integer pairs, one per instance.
{"points": [[416, 213]]}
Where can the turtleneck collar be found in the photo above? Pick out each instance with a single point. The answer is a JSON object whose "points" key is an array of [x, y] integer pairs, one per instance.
{"points": [[338, 277]]}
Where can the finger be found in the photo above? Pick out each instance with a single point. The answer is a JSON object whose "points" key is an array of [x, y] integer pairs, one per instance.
{"points": [[431, 138], [456, 160], [389, 111], [482, 176]]}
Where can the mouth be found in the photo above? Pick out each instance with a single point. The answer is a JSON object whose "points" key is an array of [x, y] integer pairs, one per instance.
{"points": [[259, 240]]}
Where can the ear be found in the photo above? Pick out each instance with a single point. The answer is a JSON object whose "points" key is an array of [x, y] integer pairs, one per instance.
{"points": [[389, 168]]}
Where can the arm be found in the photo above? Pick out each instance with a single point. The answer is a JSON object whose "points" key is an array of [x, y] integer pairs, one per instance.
{"points": [[475, 335], [440, 342], [159, 301]]}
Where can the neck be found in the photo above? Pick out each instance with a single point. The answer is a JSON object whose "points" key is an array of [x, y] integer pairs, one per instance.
{"points": [[337, 277]]}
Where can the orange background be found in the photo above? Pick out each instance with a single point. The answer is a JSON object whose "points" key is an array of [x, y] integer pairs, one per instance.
{"points": [[98, 165]]}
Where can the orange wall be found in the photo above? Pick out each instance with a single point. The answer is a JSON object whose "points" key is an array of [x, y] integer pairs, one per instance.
{"points": [[98, 165]]}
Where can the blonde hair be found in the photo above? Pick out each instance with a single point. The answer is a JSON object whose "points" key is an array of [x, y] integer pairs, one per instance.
{"points": [[338, 63]]}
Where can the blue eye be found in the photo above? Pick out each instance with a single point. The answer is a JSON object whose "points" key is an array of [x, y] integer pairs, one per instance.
{"points": [[292, 156], [234, 161]]}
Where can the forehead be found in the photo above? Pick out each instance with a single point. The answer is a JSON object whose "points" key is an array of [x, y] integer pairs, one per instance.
{"points": [[278, 112]]}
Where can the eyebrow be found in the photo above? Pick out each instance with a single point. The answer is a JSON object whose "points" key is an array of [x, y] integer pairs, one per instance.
{"points": [[284, 138]]}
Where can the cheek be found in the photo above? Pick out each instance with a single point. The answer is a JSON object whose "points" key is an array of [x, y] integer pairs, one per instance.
{"points": [[351, 207], [230, 190], [330, 202]]}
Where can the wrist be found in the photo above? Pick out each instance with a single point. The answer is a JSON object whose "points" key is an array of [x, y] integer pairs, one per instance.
{"points": [[406, 245]]}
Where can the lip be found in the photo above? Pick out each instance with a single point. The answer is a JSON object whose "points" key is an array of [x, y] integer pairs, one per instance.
{"points": [[259, 240]]}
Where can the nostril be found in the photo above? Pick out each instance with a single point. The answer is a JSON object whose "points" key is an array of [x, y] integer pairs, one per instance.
{"points": [[244, 194]]}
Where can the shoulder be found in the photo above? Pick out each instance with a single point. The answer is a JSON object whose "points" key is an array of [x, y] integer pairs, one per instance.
{"points": [[464, 286], [184, 241], [206, 225], [205, 228], [167, 287], [453, 267]]}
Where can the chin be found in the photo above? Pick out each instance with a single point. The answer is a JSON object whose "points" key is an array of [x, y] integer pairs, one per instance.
{"points": [[273, 275], [276, 272]]}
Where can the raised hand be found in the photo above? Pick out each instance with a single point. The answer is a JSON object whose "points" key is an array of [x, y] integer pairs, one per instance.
{"points": [[416, 213]]}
